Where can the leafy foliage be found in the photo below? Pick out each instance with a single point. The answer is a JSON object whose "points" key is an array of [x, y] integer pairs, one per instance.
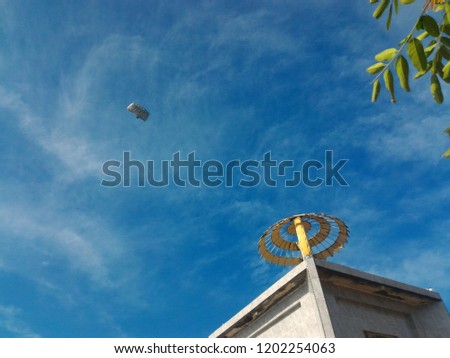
{"points": [[427, 48], [447, 153]]}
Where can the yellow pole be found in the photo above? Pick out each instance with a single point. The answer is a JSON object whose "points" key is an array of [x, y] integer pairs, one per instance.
{"points": [[303, 243]]}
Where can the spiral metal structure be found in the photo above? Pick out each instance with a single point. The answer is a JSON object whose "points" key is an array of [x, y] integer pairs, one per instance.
{"points": [[290, 240]]}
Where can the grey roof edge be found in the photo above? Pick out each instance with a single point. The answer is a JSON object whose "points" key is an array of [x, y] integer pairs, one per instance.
{"points": [[258, 301], [376, 279]]}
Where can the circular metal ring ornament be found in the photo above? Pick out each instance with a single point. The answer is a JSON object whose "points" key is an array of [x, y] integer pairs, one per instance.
{"points": [[290, 240]]}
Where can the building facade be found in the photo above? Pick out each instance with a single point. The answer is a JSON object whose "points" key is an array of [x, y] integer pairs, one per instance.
{"points": [[319, 299]]}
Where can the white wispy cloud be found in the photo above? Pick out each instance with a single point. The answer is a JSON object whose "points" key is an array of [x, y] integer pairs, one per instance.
{"points": [[258, 30], [409, 139], [77, 127], [50, 236], [68, 149], [422, 261], [11, 321]]}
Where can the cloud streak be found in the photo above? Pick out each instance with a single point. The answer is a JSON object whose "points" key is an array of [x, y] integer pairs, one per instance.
{"points": [[12, 323]]}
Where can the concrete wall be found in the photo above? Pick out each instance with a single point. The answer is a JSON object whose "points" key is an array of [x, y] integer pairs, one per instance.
{"points": [[432, 321], [295, 316], [352, 313]]}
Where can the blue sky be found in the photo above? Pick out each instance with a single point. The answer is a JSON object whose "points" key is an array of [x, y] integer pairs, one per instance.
{"points": [[227, 80]]}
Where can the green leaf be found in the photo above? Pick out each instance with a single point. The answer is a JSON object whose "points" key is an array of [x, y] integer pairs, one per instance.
{"points": [[436, 65], [446, 29], [419, 24], [389, 82], [406, 39], [447, 13], [402, 69], [380, 9], [375, 90], [441, 75], [375, 68], [420, 74], [417, 55], [430, 25], [406, 2], [436, 91], [373, 1], [445, 52], [446, 71], [445, 41], [396, 6], [386, 55], [388, 21], [429, 50], [423, 36], [447, 130], [447, 153]]}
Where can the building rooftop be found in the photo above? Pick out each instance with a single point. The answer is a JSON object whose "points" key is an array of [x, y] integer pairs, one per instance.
{"points": [[328, 273]]}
